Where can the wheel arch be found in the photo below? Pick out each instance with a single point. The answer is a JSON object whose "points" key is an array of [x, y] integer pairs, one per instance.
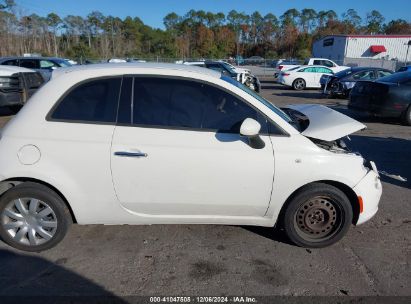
{"points": [[12, 182], [347, 190]]}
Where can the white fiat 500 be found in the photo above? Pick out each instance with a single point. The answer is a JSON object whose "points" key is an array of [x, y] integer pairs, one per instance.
{"points": [[174, 144]]}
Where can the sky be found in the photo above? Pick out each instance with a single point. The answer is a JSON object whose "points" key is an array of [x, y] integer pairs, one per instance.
{"points": [[153, 12]]}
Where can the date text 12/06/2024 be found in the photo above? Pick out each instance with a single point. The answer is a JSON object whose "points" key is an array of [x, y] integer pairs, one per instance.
{"points": [[234, 299]]}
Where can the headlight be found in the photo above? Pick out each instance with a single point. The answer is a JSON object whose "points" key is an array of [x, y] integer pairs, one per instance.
{"points": [[9, 82], [348, 84]]}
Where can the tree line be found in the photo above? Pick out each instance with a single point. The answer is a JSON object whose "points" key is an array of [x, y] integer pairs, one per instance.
{"points": [[197, 34]]}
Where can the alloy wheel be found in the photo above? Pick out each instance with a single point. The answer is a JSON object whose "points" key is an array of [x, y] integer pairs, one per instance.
{"points": [[299, 84]]}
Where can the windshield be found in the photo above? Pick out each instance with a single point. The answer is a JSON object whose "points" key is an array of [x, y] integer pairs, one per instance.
{"points": [[259, 98], [63, 63], [228, 67]]}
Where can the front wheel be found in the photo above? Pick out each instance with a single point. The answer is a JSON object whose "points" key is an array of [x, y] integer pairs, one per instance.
{"points": [[319, 215], [299, 84], [406, 119], [33, 217]]}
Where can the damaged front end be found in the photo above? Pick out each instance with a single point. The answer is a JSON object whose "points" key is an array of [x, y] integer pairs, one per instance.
{"points": [[328, 129], [336, 146], [326, 140]]}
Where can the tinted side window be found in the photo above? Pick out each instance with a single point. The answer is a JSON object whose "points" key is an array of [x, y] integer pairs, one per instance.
{"points": [[382, 73], [47, 64], [167, 102], [327, 63], [188, 104], [324, 70], [317, 62], [225, 112], [11, 62], [93, 101], [310, 70], [29, 63], [364, 75]]}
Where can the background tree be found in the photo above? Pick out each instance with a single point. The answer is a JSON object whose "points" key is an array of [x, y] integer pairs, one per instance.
{"points": [[374, 22], [54, 22], [398, 26], [351, 18], [196, 34]]}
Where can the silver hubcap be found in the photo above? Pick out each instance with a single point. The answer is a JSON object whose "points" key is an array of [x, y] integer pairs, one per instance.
{"points": [[29, 221], [299, 84]]}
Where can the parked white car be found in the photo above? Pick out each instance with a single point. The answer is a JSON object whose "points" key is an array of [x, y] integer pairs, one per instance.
{"points": [[175, 144], [315, 62], [302, 77]]}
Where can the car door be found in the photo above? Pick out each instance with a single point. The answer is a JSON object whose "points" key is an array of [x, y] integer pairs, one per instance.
{"points": [[76, 140], [310, 76], [176, 151]]}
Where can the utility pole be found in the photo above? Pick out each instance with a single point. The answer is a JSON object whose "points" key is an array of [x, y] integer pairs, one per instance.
{"points": [[408, 48]]}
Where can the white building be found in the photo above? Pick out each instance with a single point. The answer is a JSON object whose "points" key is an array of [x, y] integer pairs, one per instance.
{"points": [[341, 47]]}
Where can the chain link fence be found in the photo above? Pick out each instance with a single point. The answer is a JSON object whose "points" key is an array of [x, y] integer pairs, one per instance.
{"points": [[261, 67]]}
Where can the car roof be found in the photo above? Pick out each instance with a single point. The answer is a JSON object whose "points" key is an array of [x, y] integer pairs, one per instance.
{"points": [[314, 66], [357, 69], [30, 57], [105, 68], [7, 70]]}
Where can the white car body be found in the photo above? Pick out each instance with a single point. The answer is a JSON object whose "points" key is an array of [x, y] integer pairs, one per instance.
{"points": [[9, 70], [238, 70], [310, 73], [316, 62], [187, 177]]}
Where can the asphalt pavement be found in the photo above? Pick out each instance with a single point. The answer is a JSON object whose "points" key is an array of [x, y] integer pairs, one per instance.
{"points": [[373, 259]]}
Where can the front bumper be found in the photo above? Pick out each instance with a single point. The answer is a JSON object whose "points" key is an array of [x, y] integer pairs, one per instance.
{"points": [[370, 190], [11, 98], [375, 110]]}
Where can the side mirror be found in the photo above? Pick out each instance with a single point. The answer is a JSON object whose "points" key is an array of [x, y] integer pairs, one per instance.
{"points": [[250, 128]]}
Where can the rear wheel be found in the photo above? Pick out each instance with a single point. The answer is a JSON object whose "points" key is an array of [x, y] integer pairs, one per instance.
{"points": [[33, 217], [406, 119], [299, 84], [319, 215]]}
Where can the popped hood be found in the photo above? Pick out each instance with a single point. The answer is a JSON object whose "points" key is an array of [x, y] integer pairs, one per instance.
{"points": [[325, 123]]}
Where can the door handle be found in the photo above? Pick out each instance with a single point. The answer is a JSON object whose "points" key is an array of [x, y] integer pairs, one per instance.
{"points": [[130, 154]]}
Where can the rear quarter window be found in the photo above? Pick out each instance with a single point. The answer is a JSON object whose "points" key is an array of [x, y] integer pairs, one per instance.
{"points": [[94, 101]]}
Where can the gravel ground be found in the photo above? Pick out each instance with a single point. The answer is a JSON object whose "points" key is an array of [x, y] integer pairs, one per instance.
{"points": [[373, 259]]}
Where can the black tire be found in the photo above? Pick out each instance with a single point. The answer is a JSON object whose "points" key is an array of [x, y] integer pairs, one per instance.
{"points": [[299, 84], [302, 217], [406, 117], [47, 197], [15, 109]]}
